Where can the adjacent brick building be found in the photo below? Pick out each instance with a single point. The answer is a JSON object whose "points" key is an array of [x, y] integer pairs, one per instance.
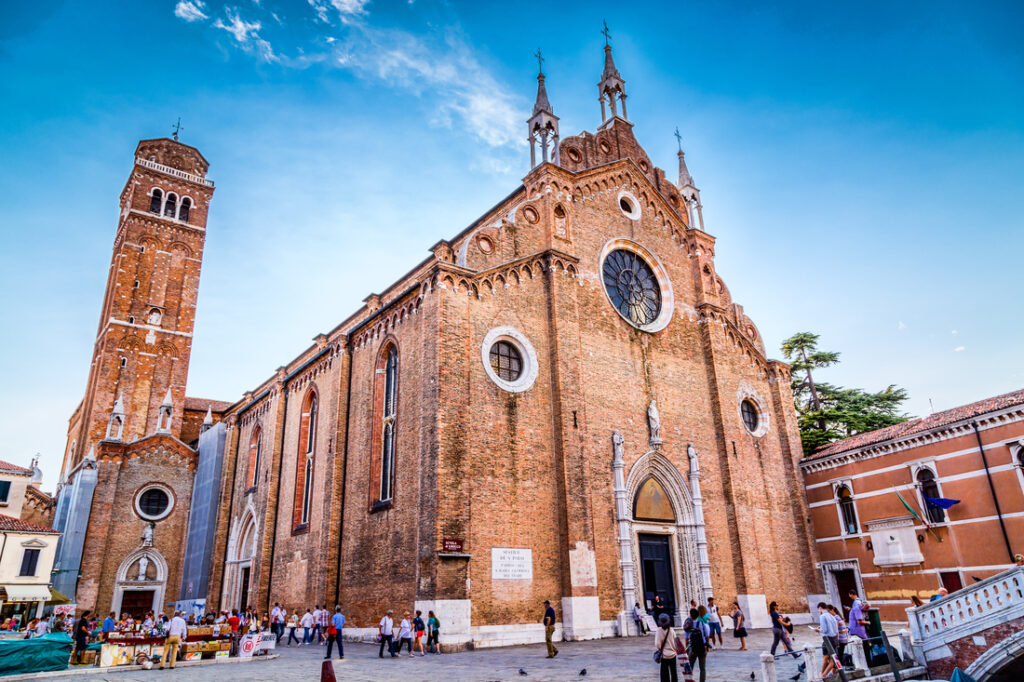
{"points": [[869, 540], [561, 402]]}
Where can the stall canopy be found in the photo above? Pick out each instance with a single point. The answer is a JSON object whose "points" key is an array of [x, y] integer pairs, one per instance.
{"points": [[49, 652], [27, 593]]}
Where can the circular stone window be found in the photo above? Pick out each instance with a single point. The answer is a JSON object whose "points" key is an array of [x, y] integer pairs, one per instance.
{"points": [[509, 359], [154, 502], [574, 155], [751, 415], [629, 205], [485, 244], [637, 285]]}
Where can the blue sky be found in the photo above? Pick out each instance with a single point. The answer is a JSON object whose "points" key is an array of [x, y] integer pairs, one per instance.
{"points": [[862, 168]]}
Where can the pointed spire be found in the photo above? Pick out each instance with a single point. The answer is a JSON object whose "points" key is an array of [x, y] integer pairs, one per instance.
{"points": [[208, 419], [119, 405], [91, 455], [168, 399], [543, 124], [163, 419], [115, 425], [689, 191], [612, 88]]}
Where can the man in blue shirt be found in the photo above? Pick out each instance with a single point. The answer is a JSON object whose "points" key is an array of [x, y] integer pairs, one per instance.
{"points": [[334, 634], [549, 629], [829, 630], [108, 625]]}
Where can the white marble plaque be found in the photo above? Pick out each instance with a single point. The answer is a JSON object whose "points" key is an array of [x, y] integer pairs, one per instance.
{"points": [[511, 564]]}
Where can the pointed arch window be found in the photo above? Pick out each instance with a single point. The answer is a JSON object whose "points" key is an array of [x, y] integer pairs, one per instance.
{"points": [[186, 204], [304, 463], [847, 510], [171, 205], [255, 450], [385, 414], [156, 201]]}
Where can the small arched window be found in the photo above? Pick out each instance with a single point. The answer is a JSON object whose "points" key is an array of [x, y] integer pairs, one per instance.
{"points": [[929, 487], [171, 205], [156, 201], [186, 204], [847, 510], [255, 450], [304, 462]]}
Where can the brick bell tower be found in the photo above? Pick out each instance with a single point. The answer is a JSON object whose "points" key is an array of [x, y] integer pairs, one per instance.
{"points": [[136, 383]]}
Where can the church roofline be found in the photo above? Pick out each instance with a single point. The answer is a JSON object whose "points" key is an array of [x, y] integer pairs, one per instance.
{"points": [[179, 142]]}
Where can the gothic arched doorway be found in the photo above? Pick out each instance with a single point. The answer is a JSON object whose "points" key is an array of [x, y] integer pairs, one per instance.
{"points": [[657, 574], [141, 583], [239, 580]]}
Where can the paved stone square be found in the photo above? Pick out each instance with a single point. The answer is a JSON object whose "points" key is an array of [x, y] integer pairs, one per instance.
{"points": [[607, 659]]}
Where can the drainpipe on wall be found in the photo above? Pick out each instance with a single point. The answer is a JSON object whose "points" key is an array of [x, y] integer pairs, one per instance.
{"points": [[988, 474]]}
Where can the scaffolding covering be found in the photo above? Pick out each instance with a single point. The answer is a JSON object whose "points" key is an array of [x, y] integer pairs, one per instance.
{"points": [[202, 517], [74, 504]]}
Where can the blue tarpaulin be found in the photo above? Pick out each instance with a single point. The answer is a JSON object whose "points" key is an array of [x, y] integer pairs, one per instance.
{"points": [[39, 654]]}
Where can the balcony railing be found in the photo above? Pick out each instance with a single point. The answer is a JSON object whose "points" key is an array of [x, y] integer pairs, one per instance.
{"points": [[972, 608], [184, 175]]}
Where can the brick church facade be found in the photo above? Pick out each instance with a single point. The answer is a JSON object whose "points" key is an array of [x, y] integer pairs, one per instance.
{"points": [[561, 402]]}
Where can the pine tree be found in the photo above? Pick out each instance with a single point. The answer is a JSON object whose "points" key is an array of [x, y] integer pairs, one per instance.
{"points": [[826, 412]]}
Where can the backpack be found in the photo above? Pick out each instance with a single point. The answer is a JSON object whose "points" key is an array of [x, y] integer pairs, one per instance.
{"points": [[697, 643]]}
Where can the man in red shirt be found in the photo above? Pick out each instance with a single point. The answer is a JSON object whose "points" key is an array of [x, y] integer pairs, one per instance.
{"points": [[234, 621]]}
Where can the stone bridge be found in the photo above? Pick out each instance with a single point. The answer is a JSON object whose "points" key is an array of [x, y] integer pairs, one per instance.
{"points": [[979, 629]]}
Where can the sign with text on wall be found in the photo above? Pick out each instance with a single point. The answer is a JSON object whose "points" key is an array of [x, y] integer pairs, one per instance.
{"points": [[511, 564]]}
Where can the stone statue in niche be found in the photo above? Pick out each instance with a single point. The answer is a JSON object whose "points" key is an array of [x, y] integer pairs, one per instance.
{"points": [[147, 535], [616, 446], [654, 419], [154, 316], [143, 565]]}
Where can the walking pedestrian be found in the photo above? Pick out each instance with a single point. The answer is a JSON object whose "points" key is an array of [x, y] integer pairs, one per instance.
{"points": [[739, 626], [277, 615], [81, 636], [433, 632], [307, 624], [638, 619], [418, 628], [405, 634], [175, 632], [322, 621], [291, 625], [665, 650], [714, 621], [549, 629], [779, 633], [829, 632], [334, 633], [386, 632], [843, 632], [697, 634]]}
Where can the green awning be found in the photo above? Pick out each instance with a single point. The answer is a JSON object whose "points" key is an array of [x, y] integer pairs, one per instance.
{"points": [[57, 598]]}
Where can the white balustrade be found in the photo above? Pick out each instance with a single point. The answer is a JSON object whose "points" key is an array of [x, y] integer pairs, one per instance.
{"points": [[184, 175], [969, 605]]}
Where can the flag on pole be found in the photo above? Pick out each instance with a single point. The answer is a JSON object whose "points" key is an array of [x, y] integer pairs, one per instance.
{"points": [[941, 502], [909, 508]]}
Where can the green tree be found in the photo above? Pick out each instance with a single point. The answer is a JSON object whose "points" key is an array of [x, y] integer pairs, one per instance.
{"points": [[826, 412]]}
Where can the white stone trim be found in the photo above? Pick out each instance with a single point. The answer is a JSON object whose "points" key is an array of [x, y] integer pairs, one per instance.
{"points": [[664, 283], [633, 201], [126, 584], [748, 392], [848, 484], [526, 352], [827, 568]]}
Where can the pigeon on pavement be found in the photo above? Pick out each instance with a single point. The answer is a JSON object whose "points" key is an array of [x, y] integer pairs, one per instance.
{"points": [[522, 672], [583, 672]]}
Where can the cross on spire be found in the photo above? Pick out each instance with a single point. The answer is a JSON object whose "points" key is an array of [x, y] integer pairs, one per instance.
{"points": [[679, 139], [606, 32], [540, 61], [177, 129]]}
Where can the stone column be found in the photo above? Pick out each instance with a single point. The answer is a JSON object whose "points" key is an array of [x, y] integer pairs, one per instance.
{"points": [[625, 541], [856, 649], [906, 645], [812, 657], [767, 667], [704, 562]]}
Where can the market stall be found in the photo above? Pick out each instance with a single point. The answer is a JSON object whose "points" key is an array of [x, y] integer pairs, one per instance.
{"points": [[137, 646]]}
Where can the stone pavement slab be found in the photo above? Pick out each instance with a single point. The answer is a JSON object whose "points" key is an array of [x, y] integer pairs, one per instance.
{"points": [[606, 659]]}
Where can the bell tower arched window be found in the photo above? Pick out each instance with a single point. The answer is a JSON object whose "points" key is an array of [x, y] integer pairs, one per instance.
{"points": [[385, 394], [171, 205], [186, 204], [156, 201], [304, 462]]}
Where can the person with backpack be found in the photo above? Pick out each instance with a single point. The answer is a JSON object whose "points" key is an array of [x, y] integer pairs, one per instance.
{"points": [[433, 632], [665, 650], [697, 635]]}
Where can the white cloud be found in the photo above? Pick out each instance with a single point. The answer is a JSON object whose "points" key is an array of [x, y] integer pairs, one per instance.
{"points": [[350, 7], [953, 332], [190, 10], [958, 349], [247, 35], [900, 325]]}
